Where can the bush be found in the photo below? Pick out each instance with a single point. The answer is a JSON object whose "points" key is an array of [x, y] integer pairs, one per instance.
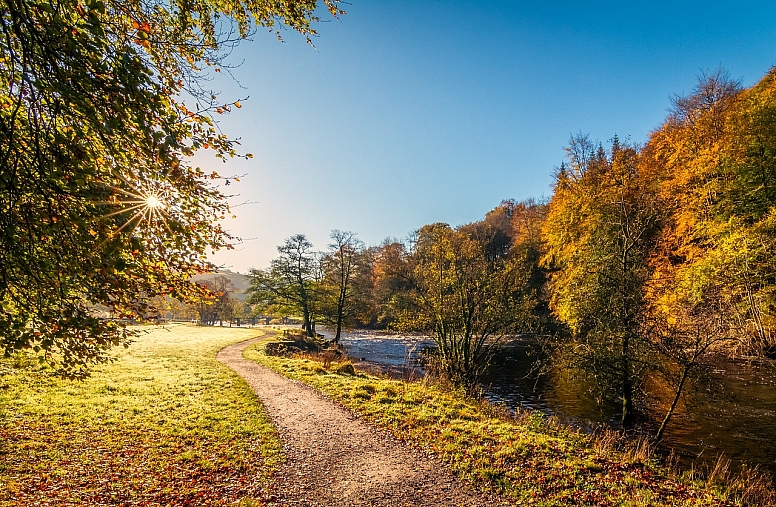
{"points": [[345, 369]]}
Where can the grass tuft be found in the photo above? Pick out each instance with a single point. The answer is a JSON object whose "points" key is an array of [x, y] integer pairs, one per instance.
{"points": [[345, 368]]}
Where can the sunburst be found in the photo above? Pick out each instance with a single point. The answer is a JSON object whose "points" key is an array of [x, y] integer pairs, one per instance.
{"points": [[147, 205], [153, 202]]}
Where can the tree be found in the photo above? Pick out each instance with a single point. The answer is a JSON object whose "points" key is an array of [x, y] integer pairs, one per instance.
{"points": [[465, 296], [220, 305], [600, 230], [665, 254], [366, 303], [712, 285], [683, 341], [528, 248], [291, 283], [99, 204], [392, 275], [715, 158], [340, 266]]}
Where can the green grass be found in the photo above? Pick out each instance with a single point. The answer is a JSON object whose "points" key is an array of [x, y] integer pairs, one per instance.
{"points": [[166, 424], [529, 458]]}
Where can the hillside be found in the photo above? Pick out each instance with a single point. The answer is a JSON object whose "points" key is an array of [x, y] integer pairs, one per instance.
{"points": [[240, 281]]}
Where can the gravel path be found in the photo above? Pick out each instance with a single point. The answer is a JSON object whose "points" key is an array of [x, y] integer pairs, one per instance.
{"points": [[334, 459]]}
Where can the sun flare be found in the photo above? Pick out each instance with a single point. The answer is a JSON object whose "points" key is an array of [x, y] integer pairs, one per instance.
{"points": [[152, 201], [146, 208]]}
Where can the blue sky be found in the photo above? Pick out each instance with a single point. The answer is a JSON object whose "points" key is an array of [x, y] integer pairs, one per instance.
{"points": [[407, 113]]}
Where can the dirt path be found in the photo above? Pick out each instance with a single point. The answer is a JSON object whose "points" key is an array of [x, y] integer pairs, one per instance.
{"points": [[335, 459]]}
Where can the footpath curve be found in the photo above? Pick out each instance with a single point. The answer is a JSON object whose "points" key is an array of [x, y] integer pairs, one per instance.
{"points": [[335, 459]]}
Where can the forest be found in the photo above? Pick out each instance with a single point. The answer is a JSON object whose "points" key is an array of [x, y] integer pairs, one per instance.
{"points": [[645, 261]]}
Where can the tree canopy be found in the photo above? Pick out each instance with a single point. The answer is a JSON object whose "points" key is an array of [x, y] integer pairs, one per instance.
{"points": [[292, 283], [102, 103], [466, 296], [662, 253], [341, 265], [602, 222]]}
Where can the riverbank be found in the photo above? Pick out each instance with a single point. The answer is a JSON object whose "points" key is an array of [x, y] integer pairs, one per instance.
{"points": [[727, 411], [528, 457], [165, 424], [333, 459]]}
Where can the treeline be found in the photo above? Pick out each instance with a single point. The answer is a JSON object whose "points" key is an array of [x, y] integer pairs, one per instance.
{"points": [[219, 304], [465, 285], [644, 260]]}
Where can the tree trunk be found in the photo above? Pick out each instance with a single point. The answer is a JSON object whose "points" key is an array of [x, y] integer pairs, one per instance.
{"points": [[661, 430], [340, 312], [627, 403], [307, 325], [627, 384]]}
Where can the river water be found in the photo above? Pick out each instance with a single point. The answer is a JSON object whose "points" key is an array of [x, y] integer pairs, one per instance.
{"points": [[732, 412]]}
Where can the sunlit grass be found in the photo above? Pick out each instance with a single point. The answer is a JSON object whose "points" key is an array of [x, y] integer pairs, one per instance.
{"points": [[530, 458], [166, 424]]}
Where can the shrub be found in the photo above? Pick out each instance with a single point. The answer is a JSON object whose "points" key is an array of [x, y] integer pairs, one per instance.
{"points": [[345, 369]]}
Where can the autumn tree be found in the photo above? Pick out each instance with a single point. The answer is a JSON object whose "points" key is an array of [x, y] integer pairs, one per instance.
{"points": [[102, 104], [715, 158], [291, 284], [340, 266], [220, 304], [366, 303], [600, 230], [712, 287], [527, 249], [392, 269], [465, 296]]}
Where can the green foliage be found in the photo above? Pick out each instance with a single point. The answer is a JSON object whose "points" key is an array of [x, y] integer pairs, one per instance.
{"points": [[600, 230], [341, 266], [165, 424], [99, 207], [292, 283]]}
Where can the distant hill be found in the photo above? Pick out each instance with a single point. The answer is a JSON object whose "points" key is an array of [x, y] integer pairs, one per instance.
{"points": [[240, 281]]}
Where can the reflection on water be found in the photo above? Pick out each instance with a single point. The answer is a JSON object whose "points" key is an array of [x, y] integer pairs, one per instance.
{"points": [[515, 381], [731, 412]]}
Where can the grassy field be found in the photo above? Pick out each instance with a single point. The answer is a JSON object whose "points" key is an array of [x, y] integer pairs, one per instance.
{"points": [[166, 424], [529, 458]]}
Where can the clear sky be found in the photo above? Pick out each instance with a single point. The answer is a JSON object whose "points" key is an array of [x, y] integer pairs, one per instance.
{"points": [[413, 112]]}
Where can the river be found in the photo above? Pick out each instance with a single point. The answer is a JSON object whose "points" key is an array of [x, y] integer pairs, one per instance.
{"points": [[732, 413]]}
